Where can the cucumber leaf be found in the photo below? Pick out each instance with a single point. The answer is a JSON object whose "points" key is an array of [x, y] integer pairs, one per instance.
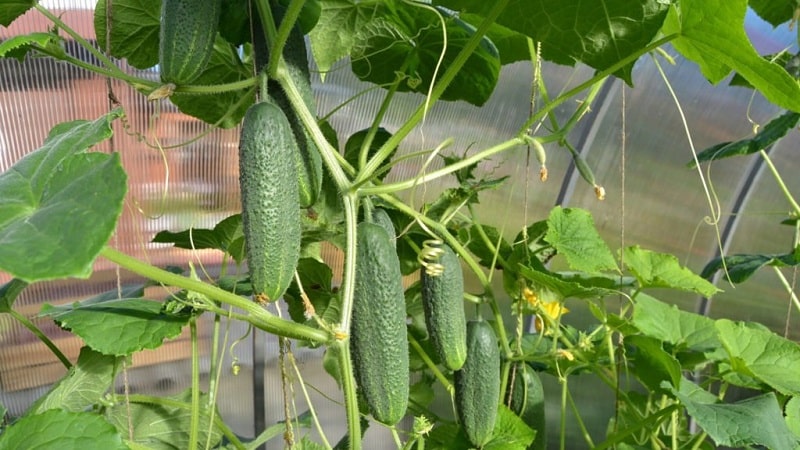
{"points": [[771, 133], [9, 293], [711, 33], [227, 236], [119, 327], [669, 324], [571, 231], [663, 270], [742, 267], [61, 203], [11, 9], [83, 386], [762, 354], [598, 33], [776, 12], [335, 33], [18, 46], [135, 26], [408, 43], [84, 430]]}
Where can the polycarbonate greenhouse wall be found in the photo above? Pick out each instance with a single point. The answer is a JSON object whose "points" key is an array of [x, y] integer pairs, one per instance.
{"points": [[633, 138]]}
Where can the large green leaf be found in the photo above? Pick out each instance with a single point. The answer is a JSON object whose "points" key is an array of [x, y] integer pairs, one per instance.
{"points": [[772, 132], [650, 362], [60, 203], [165, 424], [762, 355], [598, 33], [119, 327], [754, 421], [711, 33], [61, 429], [669, 324], [335, 33], [11, 9], [565, 288], [83, 386], [653, 269], [571, 231], [408, 42], [225, 108], [135, 26], [775, 12]]}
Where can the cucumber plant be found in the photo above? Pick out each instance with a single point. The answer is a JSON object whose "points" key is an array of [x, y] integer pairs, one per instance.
{"points": [[475, 383]]}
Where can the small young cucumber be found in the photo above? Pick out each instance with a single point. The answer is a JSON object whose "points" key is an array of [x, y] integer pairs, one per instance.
{"points": [[443, 302], [270, 207], [187, 34], [525, 397], [477, 383], [378, 339]]}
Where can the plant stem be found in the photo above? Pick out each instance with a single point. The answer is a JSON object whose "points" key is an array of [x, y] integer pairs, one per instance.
{"points": [[218, 88], [438, 89], [788, 287], [431, 365], [194, 425], [282, 35], [27, 323], [256, 315], [349, 390], [780, 182], [410, 183]]}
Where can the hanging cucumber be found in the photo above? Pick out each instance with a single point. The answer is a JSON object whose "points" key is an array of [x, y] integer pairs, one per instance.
{"points": [[477, 383], [526, 398], [378, 339], [308, 161], [187, 33], [270, 209], [442, 299]]}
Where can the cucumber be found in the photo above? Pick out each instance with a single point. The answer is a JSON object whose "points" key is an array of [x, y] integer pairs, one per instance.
{"points": [[381, 217], [187, 34], [526, 398], [308, 161], [378, 339], [270, 208], [477, 383], [442, 300]]}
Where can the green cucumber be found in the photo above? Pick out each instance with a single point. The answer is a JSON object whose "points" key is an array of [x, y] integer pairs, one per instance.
{"points": [[187, 34], [378, 339], [525, 397], [443, 301], [308, 161], [477, 383], [270, 209], [381, 217]]}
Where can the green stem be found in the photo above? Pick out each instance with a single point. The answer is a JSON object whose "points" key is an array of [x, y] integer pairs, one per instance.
{"points": [[218, 88], [267, 22], [438, 89], [431, 365], [649, 423], [256, 315], [24, 321], [349, 201], [788, 287], [410, 183], [282, 35], [194, 424], [383, 153], [333, 160], [349, 391], [780, 182], [597, 77]]}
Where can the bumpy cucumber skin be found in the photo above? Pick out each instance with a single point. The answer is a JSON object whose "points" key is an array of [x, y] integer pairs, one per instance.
{"points": [[308, 161], [270, 209], [378, 339], [442, 300], [477, 383], [187, 33], [527, 401]]}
